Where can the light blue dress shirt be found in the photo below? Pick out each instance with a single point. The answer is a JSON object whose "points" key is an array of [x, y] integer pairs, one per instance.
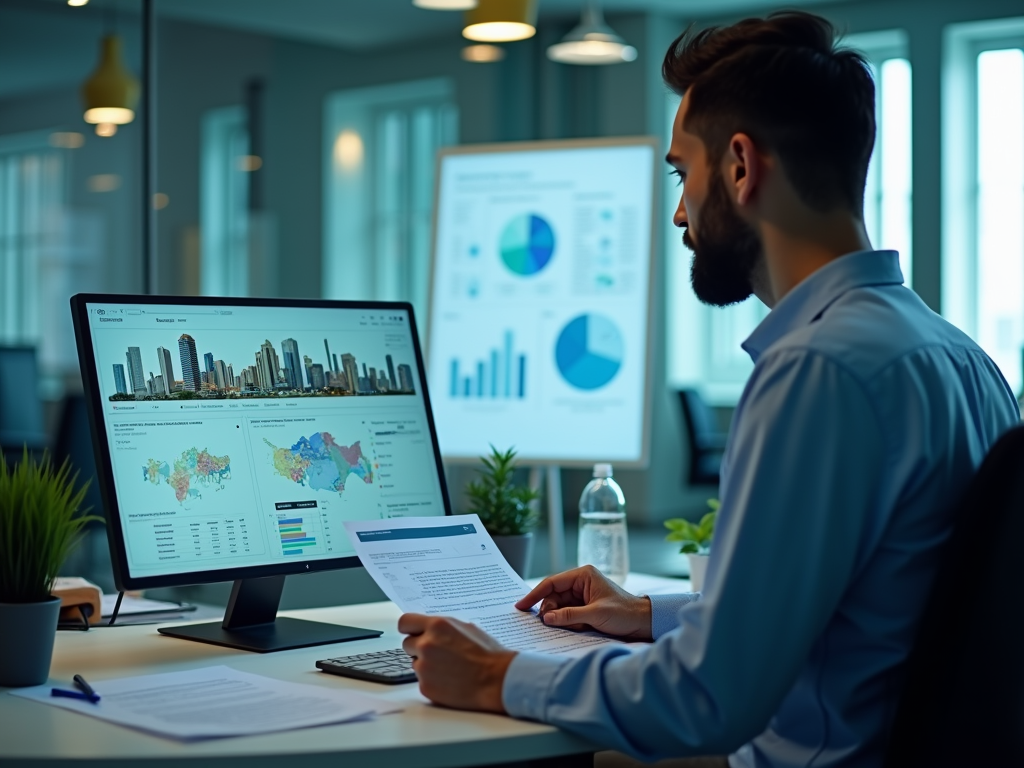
{"points": [[859, 429]]}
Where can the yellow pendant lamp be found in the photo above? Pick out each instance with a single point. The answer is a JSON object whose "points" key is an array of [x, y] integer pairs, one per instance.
{"points": [[501, 21], [111, 92]]}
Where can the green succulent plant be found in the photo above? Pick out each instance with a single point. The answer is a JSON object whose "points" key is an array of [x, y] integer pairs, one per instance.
{"points": [[695, 537], [503, 508], [39, 526]]}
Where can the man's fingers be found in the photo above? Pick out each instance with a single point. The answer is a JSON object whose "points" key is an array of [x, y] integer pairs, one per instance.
{"points": [[560, 582], [409, 646], [539, 592], [570, 617], [412, 623]]}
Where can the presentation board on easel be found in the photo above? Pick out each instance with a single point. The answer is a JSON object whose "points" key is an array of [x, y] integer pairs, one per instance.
{"points": [[541, 300]]}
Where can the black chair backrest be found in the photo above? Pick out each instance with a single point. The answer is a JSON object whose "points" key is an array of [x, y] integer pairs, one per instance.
{"points": [[698, 416], [74, 443], [963, 702], [21, 409]]}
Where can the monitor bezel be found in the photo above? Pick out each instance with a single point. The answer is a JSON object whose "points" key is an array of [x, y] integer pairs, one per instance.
{"points": [[655, 308], [123, 579]]}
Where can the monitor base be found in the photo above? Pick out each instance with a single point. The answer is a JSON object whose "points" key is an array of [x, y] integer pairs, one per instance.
{"points": [[279, 635]]}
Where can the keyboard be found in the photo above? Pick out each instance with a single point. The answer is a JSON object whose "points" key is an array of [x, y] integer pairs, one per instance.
{"points": [[390, 667]]}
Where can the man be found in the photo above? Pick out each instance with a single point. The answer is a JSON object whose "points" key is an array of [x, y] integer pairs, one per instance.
{"points": [[862, 423]]}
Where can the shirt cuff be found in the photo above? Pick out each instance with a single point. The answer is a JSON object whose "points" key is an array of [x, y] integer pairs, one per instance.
{"points": [[528, 679], [664, 610]]}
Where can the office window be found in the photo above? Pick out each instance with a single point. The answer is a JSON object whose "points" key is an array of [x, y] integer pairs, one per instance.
{"points": [[888, 191], [32, 193], [379, 155], [224, 203], [983, 253], [704, 342], [887, 194]]}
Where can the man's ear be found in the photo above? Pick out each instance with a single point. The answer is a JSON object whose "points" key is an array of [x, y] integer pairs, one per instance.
{"points": [[744, 169]]}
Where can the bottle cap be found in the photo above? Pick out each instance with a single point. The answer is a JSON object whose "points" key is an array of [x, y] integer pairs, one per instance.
{"points": [[602, 470]]}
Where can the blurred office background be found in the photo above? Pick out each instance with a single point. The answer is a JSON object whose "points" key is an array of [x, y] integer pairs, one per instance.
{"points": [[291, 154]]}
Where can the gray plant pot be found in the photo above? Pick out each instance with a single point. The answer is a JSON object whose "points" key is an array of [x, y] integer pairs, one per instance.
{"points": [[517, 550], [27, 632]]}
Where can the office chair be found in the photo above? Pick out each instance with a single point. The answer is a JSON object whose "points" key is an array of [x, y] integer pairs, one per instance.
{"points": [[74, 443], [706, 442], [21, 409], [963, 704]]}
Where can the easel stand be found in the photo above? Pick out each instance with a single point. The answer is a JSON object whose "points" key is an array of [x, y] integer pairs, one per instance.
{"points": [[556, 522]]}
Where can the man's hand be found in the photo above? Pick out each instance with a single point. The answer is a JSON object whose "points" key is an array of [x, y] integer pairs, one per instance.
{"points": [[584, 598], [458, 664]]}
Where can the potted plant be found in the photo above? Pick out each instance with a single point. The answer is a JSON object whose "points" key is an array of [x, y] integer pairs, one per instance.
{"points": [[505, 509], [696, 542], [38, 529]]}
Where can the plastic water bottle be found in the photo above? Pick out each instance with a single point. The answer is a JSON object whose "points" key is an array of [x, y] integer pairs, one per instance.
{"points": [[602, 540]]}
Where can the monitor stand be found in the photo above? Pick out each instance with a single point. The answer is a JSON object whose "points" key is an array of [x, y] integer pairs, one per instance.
{"points": [[251, 623]]}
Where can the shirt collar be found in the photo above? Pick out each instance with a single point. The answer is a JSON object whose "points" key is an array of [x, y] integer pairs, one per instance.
{"points": [[805, 303]]}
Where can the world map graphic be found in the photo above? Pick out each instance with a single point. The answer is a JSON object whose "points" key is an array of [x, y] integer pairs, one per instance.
{"points": [[321, 463], [194, 471]]}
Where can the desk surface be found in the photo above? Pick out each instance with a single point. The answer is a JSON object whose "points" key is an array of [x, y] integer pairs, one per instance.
{"points": [[422, 735]]}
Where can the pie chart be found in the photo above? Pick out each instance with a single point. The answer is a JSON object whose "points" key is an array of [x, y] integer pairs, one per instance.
{"points": [[527, 244], [589, 351]]}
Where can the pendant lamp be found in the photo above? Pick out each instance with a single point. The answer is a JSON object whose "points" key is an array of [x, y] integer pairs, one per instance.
{"points": [[592, 42], [482, 53], [111, 92], [501, 21], [445, 5]]}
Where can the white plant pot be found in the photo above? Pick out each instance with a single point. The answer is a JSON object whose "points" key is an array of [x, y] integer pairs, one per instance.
{"points": [[698, 567]]}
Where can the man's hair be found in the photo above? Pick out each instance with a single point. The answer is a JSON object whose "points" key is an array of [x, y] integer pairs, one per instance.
{"points": [[782, 81]]}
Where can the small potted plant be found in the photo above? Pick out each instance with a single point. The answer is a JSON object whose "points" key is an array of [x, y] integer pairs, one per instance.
{"points": [[696, 542], [38, 529], [505, 509]]}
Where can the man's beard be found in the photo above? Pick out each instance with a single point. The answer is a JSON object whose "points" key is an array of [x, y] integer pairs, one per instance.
{"points": [[728, 251]]}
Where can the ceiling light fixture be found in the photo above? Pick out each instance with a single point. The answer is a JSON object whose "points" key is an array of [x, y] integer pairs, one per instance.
{"points": [[111, 92], [445, 5], [77, 3], [501, 21], [482, 53], [592, 42]]}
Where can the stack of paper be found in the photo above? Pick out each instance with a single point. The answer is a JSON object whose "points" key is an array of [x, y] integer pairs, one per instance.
{"points": [[216, 701]]}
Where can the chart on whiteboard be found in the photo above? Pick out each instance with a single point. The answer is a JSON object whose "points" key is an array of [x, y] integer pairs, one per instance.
{"points": [[540, 305]]}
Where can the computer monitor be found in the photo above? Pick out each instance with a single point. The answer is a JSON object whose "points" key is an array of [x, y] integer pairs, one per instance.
{"points": [[234, 436], [542, 303]]}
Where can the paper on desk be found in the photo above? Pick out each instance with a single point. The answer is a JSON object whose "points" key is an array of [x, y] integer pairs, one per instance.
{"points": [[450, 566], [214, 702]]}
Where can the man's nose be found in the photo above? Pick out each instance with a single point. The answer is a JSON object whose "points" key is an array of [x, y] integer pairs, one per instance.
{"points": [[679, 218]]}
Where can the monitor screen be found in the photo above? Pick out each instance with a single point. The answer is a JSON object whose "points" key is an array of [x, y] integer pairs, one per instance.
{"points": [[242, 436], [540, 307]]}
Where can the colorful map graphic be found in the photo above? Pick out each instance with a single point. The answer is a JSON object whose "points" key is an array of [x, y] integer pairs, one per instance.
{"points": [[319, 462], [193, 468]]}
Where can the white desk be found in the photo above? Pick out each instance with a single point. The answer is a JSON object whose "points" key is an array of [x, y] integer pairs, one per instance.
{"points": [[422, 736]]}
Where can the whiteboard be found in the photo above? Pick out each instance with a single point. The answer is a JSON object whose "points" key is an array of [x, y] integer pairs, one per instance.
{"points": [[541, 301]]}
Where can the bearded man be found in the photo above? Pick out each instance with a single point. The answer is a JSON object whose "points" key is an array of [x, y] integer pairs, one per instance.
{"points": [[862, 423]]}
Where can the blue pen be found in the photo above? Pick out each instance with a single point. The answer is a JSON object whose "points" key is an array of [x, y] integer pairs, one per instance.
{"points": [[60, 693], [84, 687], [84, 692]]}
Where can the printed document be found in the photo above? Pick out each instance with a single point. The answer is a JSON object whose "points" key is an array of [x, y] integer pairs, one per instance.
{"points": [[450, 566], [214, 702]]}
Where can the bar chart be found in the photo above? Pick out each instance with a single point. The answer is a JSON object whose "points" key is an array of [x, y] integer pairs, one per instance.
{"points": [[295, 535], [499, 375]]}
